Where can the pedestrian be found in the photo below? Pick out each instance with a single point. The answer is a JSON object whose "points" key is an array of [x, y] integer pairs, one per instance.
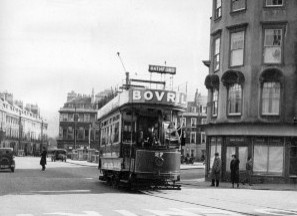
{"points": [[43, 159], [216, 171], [249, 171], [234, 167]]}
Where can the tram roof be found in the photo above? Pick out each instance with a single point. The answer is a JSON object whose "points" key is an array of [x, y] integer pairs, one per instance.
{"points": [[139, 96]]}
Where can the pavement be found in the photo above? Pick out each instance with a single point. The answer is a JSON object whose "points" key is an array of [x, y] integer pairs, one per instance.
{"points": [[201, 183]]}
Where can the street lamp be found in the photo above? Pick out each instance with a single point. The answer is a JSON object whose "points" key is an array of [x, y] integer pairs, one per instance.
{"points": [[75, 122]]}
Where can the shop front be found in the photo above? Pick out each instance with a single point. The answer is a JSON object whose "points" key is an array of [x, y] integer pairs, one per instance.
{"points": [[274, 157]]}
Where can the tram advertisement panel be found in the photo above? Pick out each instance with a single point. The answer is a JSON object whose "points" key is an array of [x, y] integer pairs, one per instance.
{"points": [[155, 96]]}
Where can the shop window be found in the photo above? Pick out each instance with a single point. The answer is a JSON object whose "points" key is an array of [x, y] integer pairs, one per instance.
{"points": [[234, 99], [270, 98], [216, 57], [214, 107], [215, 147], [268, 159], [218, 9], [274, 3], [237, 49], [238, 5], [272, 46], [229, 152], [242, 156]]}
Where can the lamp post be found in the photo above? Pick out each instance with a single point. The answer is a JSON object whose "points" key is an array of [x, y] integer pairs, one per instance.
{"points": [[41, 147], [75, 121], [20, 132]]}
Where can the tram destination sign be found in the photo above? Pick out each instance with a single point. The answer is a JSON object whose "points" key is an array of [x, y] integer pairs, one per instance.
{"points": [[162, 69], [154, 96]]}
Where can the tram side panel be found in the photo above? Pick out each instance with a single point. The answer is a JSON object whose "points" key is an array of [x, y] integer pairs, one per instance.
{"points": [[156, 164], [111, 159]]}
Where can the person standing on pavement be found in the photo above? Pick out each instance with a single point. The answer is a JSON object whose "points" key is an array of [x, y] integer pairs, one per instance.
{"points": [[216, 171], [249, 170], [43, 159], [234, 167]]}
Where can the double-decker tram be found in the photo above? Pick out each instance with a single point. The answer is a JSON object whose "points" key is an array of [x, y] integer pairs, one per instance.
{"points": [[139, 140]]}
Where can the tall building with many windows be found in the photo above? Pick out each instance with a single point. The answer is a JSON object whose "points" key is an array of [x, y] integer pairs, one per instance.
{"points": [[77, 123], [193, 122], [21, 129], [252, 87]]}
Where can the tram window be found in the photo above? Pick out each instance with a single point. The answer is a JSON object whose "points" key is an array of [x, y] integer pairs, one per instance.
{"points": [[116, 132]]}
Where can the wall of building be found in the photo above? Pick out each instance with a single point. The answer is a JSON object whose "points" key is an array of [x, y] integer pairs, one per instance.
{"points": [[251, 124]]}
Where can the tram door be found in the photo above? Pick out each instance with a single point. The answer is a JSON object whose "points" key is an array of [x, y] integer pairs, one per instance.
{"points": [[293, 158]]}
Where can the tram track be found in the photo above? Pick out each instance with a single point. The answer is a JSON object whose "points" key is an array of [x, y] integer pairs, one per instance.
{"points": [[284, 212]]}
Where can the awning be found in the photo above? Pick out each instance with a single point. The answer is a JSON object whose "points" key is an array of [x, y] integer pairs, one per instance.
{"points": [[212, 81], [231, 77], [271, 75]]}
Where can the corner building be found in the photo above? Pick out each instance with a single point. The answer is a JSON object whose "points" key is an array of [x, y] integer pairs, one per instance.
{"points": [[252, 88]]}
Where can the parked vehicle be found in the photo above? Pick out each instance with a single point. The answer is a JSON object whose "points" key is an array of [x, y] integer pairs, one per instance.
{"points": [[59, 154], [7, 159]]}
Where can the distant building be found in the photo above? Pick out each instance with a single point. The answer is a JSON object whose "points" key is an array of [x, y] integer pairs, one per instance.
{"points": [[252, 100], [193, 122], [21, 129], [77, 123]]}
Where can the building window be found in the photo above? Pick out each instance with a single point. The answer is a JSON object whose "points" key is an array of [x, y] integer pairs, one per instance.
{"points": [[273, 3], [193, 122], [238, 5], [203, 137], [218, 9], [237, 49], [193, 137], [270, 98], [214, 108], [217, 47], [272, 46], [234, 99], [203, 121], [268, 159], [183, 122]]}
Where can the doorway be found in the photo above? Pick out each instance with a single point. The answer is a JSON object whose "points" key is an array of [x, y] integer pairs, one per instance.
{"points": [[293, 157]]}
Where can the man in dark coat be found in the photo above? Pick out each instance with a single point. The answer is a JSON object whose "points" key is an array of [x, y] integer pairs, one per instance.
{"points": [[43, 159], [234, 167], [216, 171]]}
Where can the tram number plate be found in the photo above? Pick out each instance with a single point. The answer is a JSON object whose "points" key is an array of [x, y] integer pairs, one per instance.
{"points": [[4, 166]]}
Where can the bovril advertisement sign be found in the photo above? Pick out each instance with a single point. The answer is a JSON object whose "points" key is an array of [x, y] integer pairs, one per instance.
{"points": [[158, 97]]}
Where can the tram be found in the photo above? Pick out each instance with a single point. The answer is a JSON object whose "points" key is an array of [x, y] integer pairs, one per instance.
{"points": [[139, 138]]}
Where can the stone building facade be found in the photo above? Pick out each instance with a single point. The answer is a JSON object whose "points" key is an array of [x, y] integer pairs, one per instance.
{"points": [[77, 123], [252, 87], [193, 122], [21, 129]]}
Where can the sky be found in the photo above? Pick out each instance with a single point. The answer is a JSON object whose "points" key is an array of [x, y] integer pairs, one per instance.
{"points": [[51, 47]]}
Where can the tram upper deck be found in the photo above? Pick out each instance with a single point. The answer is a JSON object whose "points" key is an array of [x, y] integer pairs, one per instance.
{"points": [[145, 118]]}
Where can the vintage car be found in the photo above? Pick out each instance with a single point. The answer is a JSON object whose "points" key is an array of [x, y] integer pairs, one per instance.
{"points": [[7, 159], [59, 154]]}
